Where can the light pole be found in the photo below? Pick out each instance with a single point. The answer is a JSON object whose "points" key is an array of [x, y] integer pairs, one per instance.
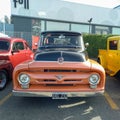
{"points": [[89, 21]]}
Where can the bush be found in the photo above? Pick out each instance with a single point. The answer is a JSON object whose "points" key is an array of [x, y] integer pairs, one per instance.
{"points": [[96, 42]]}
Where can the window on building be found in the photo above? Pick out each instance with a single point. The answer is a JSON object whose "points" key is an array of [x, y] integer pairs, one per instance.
{"points": [[57, 26], [42, 25], [80, 28], [116, 31], [36, 27], [102, 30]]}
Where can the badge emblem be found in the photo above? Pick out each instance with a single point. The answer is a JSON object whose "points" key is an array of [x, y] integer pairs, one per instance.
{"points": [[59, 77], [60, 60]]}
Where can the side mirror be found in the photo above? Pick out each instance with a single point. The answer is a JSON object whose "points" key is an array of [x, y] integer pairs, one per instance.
{"points": [[86, 45], [14, 51], [36, 44]]}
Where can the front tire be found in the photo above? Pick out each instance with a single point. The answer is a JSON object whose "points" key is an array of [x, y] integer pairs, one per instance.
{"points": [[3, 79]]}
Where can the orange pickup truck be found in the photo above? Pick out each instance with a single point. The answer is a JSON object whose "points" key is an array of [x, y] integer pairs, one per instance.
{"points": [[60, 69], [110, 58]]}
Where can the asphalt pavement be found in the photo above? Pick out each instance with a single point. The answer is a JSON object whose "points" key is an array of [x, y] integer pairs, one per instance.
{"points": [[105, 107]]}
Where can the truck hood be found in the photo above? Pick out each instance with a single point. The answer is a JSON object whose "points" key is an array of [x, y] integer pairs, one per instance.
{"points": [[52, 66], [61, 56], [64, 60], [3, 62]]}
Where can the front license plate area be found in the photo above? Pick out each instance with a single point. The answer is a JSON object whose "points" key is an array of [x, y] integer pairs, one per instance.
{"points": [[59, 95]]}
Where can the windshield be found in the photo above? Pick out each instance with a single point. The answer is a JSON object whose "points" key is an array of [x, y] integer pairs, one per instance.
{"points": [[4, 45], [58, 40]]}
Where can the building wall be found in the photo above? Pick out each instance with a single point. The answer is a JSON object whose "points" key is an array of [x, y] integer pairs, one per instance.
{"points": [[67, 11], [30, 17]]}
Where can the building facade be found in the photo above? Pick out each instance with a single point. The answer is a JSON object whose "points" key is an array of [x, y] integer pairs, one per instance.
{"points": [[30, 17], [40, 15]]}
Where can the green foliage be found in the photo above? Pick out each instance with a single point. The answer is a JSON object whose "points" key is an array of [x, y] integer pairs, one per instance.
{"points": [[96, 42]]}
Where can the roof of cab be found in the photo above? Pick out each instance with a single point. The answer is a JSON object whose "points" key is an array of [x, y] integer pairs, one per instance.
{"points": [[114, 37], [11, 39], [67, 32]]}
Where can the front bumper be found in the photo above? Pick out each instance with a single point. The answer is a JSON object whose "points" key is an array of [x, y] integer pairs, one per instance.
{"points": [[50, 94]]}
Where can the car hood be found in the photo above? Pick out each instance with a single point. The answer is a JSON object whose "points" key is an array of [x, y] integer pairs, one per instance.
{"points": [[43, 65], [60, 61], [64, 60], [4, 55], [3, 63], [61, 56]]}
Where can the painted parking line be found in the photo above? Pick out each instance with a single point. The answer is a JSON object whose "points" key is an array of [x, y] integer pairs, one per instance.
{"points": [[112, 104], [2, 101]]}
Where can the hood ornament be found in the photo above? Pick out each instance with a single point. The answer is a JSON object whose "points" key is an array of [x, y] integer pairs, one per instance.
{"points": [[60, 59], [59, 77]]}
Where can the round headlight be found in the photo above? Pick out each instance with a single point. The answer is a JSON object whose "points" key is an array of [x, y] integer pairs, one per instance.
{"points": [[24, 79], [94, 79]]}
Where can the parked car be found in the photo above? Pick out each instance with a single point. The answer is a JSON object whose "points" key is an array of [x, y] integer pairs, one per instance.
{"points": [[110, 58], [60, 69], [12, 52], [6, 70]]}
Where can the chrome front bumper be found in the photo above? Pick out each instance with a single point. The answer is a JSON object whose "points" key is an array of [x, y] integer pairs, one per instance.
{"points": [[50, 94]]}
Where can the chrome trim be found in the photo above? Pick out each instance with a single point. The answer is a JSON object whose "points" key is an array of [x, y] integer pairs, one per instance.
{"points": [[49, 94]]}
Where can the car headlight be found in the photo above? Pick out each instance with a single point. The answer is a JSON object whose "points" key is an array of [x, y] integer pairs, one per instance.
{"points": [[94, 80], [24, 80]]}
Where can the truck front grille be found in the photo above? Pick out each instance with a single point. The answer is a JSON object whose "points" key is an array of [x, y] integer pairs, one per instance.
{"points": [[59, 70]]}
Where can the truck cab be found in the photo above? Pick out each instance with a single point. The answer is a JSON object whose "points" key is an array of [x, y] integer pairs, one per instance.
{"points": [[110, 58]]}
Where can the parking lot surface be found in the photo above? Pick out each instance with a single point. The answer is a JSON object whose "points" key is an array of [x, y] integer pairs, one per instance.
{"points": [[105, 107]]}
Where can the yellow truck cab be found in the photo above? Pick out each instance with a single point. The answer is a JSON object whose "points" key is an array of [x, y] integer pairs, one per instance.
{"points": [[110, 58]]}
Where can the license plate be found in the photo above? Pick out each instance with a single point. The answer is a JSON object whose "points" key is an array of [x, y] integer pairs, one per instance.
{"points": [[59, 95]]}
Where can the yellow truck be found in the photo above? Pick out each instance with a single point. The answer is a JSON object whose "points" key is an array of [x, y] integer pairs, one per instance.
{"points": [[110, 58]]}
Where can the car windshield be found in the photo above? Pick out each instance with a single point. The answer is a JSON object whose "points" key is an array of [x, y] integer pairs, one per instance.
{"points": [[4, 45], [61, 40]]}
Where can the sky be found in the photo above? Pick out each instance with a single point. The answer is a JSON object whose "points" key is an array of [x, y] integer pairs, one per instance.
{"points": [[100, 3], [4, 9]]}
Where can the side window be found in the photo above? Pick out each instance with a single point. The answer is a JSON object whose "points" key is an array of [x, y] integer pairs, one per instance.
{"points": [[113, 45], [18, 46]]}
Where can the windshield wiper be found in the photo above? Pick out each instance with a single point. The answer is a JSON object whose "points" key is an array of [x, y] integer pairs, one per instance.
{"points": [[59, 46], [73, 46]]}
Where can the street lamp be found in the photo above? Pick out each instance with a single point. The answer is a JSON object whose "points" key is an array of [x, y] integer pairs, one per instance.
{"points": [[89, 21]]}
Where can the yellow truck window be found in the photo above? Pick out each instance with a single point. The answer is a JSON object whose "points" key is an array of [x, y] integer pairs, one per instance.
{"points": [[113, 45]]}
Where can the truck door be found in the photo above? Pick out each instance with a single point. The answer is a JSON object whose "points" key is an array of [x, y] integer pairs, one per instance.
{"points": [[18, 53], [118, 56], [112, 59], [28, 51]]}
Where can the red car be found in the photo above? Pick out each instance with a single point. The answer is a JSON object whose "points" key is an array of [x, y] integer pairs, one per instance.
{"points": [[12, 52], [6, 70]]}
